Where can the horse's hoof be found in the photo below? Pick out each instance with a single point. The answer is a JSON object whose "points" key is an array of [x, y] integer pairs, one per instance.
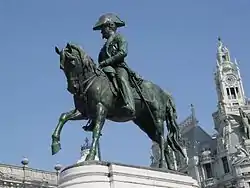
{"points": [[55, 147], [88, 128], [170, 167], [87, 158], [90, 158], [163, 165]]}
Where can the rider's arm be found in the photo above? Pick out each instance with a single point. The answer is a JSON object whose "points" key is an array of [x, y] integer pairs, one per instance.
{"points": [[122, 51]]}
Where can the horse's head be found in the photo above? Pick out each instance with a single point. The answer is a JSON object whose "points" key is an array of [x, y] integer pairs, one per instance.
{"points": [[75, 64]]}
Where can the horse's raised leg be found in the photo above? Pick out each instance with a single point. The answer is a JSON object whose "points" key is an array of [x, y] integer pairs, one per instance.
{"points": [[71, 115], [98, 123]]}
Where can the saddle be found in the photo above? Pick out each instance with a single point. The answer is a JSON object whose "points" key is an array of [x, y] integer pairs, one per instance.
{"points": [[134, 78]]}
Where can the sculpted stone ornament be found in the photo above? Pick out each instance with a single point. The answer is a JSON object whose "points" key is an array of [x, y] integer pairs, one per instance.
{"points": [[245, 122], [225, 133], [113, 91], [241, 153]]}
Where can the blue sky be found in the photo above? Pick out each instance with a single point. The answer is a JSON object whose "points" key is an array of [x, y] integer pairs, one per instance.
{"points": [[172, 43]]}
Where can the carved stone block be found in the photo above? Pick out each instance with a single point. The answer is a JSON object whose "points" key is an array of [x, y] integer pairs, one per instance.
{"points": [[106, 175]]}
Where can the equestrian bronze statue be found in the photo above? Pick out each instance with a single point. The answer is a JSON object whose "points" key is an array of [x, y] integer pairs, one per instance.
{"points": [[113, 91]]}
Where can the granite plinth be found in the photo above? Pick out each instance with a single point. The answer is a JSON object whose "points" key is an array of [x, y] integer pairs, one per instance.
{"points": [[98, 174]]}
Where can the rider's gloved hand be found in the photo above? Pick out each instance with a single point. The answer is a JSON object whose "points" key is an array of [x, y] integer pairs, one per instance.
{"points": [[103, 64]]}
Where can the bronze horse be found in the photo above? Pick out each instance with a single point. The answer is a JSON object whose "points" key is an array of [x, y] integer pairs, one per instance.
{"points": [[96, 99]]}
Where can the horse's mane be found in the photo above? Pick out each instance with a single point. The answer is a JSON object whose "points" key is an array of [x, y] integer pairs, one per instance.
{"points": [[84, 58]]}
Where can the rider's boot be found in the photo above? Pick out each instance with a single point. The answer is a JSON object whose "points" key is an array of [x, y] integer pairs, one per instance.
{"points": [[127, 95], [114, 81]]}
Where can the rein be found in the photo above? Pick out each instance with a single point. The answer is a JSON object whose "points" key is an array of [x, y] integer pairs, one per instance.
{"points": [[84, 84], [88, 83]]}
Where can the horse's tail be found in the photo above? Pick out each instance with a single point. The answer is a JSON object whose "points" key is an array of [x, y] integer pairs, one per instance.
{"points": [[173, 136]]}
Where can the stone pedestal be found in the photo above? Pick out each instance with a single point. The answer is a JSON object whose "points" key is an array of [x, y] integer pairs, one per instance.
{"points": [[98, 174]]}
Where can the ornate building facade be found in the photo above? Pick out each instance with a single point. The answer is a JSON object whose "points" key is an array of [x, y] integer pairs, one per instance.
{"points": [[12, 176], [221, 160], [25, 177]]}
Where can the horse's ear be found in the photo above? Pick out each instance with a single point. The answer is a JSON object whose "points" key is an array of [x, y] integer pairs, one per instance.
{"points": [[69, 48], [57, 50]]}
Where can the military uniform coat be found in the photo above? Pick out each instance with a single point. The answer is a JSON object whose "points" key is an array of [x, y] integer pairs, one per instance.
{"points": [[114, 52]]}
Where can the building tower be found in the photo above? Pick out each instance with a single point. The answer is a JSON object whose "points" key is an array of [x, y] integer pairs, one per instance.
{"points": [[231, 97], [228, 80], [230, 120]]}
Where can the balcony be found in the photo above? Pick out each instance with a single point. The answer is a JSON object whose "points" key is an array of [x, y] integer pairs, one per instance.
{"points": [[206, 157], [209, 182], [236, 108]]}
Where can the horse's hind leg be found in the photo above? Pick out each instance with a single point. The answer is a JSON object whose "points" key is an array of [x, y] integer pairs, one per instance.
{"points": [[160, 125], [156, 134], [168, 160], [71, 115]]}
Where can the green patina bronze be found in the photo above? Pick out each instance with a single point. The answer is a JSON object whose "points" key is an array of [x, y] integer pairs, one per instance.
{"points": [[113, 91]]}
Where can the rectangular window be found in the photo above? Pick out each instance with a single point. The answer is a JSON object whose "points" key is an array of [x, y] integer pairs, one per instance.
{"points": [[228, 94], [237, 92], [225, 164], [233, 94], [208, 170]]}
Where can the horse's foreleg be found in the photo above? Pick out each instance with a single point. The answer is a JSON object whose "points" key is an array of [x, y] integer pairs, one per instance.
{"points": [[98, 123], [71, 115]]}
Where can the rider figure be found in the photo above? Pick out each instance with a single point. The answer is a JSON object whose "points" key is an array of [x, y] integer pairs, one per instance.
{"points": [[112, 57]]}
